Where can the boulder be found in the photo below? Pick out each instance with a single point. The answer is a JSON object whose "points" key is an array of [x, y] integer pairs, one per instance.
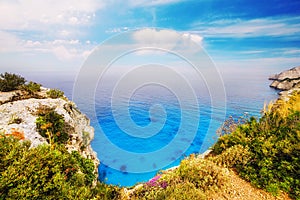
{"points": [[286, 80]]}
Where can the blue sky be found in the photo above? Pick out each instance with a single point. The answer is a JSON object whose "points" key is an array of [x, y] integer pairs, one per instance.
{"points": [[59, 35]]}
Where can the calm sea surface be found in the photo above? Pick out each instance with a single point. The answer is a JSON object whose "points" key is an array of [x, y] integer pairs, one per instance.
{"points": [[246, 92]]}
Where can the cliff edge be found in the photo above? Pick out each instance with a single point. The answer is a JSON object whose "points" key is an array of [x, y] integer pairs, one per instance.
{"points": [[286, 80], [19, 112]]}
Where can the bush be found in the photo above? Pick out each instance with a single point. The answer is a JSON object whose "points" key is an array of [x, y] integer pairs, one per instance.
{"points": [[10, 82], [235, 156], [55, 93], [105, 192], [47, 173], [41, 173], [273, 145], [193, 179], [32, 87], [86, 167], [179, 191], [204, 174], [51, 125]]}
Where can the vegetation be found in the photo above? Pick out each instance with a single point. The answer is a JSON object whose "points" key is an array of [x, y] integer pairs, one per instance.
{"points": [[10, 82], [55, 93], [263, 151], [45, 173], [193, 179], [52, 126], [270, 147], [31, 87]]}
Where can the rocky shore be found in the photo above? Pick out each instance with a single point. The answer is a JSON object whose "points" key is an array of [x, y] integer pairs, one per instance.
{"points": [[287, 81]]}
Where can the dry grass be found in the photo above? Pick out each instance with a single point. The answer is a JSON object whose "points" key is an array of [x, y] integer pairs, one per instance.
{"points": [[238, 188]]}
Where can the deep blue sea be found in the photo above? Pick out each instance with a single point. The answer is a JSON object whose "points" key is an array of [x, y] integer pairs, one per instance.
{"points": [[246, 92]]}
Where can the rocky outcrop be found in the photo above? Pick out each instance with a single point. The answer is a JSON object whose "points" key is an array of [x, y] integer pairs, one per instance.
{"points": [[18, 116], [286, 80]]}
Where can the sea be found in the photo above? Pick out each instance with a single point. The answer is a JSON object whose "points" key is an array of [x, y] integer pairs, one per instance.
{"points": [[137, 137]]}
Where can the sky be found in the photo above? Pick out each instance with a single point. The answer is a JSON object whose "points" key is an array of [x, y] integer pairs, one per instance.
{"points": [[58, 35]]}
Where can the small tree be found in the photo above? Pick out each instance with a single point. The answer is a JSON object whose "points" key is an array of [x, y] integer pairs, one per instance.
{"points": [[32, 87], [10, 82], [55, 93]]}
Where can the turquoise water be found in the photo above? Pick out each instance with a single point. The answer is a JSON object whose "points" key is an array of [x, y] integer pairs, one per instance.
{"points": [[246, 91]]}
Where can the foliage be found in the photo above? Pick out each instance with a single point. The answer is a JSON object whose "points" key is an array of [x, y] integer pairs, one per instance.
{"points": [[179, 191], [55, 93], [191, 180], [42, 173], [204, 174], [106, 192], [51, 125], [45, 173], [273, 145], [31, 87], [86, 167], [10, 82], [235, 156]]}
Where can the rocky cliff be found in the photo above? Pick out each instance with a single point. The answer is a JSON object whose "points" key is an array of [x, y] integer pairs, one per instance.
{"points": [[18, 114], [286, 80]]}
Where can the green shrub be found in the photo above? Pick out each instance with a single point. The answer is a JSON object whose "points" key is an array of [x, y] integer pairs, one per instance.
{"points": [[193, 179], [32, 87], [179, 191], [272, 145], [86, 167], [204, 174], [55, 93], [235, 156], [47, 173], [40, 173], [106, 192], [10, 150], [51, 125], [10, 82]]}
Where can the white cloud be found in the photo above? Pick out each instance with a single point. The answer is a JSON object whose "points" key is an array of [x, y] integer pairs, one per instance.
{"points": [[63, 53], [162, 40], [273, 52], [139, 3], [165, 39], [194, 37], [250, 28], [64, 50], [36, 14], [64, 33], [46, 24], [8, 42], [292, 51]]}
